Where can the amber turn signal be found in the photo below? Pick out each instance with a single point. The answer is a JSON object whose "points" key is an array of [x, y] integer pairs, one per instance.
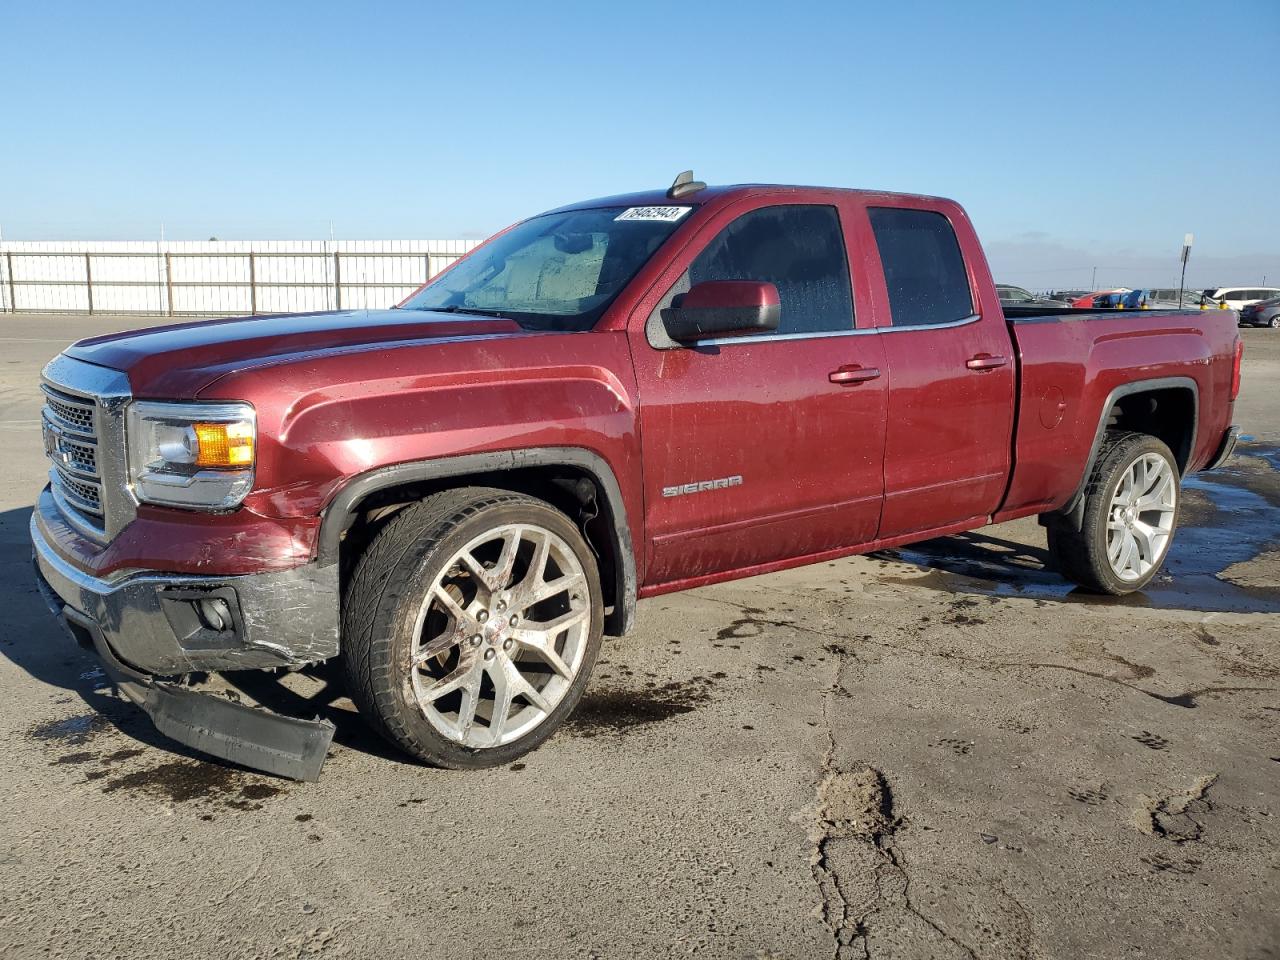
{"points": [[224, 444]]}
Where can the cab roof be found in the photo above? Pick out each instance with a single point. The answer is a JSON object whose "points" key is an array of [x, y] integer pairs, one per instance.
{"points": [[648, 198]]}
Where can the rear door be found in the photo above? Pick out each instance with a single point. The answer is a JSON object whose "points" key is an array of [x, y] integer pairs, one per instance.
{"points": [[761, 448], [951, 373]]}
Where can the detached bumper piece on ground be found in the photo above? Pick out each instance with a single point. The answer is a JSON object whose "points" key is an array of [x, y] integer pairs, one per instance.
{"points": [[250, 736]]}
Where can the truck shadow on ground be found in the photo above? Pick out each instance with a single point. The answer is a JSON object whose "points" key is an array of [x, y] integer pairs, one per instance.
{"points": [[32, 639], [1230, 519]]}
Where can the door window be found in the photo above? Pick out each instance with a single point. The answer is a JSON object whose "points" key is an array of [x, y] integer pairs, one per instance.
{"points": [[797, 248], [923, 267]]}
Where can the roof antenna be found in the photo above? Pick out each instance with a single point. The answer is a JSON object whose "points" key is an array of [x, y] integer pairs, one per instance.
{"points": [[685, 184]]}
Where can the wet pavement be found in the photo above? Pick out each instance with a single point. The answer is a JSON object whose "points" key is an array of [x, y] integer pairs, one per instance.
{"points": [[942, 751], [1230, 518]]}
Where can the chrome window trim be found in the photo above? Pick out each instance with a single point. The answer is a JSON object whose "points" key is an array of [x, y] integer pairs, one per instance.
{"points": [[764, 337], [862, 331], [963, 321]]}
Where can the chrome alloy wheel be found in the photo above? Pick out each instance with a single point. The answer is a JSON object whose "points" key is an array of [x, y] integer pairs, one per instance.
{"points": [[1140, 518], [500, 636]]}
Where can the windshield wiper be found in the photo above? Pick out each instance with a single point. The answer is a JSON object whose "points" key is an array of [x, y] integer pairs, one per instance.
{"points": [[455, 308]]}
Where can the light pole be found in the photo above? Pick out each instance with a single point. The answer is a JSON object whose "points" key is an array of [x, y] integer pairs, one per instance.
{"points": [[1186, 252]]}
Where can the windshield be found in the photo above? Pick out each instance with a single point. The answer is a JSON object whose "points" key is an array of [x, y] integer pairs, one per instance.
{"points": [[559, 271]]}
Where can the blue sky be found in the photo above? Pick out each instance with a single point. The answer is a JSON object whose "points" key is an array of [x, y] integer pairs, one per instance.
{"points": [[1077, 135]]}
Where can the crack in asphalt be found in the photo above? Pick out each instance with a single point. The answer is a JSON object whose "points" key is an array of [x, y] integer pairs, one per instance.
{"points": [[824, 875], [857, 807], [1175, 817], [896, 860], [835, 837], [1187, 700]]}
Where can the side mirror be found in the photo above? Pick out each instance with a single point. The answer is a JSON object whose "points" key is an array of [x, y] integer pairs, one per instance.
{"points": [[723, 308]]}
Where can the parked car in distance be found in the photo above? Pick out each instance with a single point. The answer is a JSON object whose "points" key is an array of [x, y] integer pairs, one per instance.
{"points": [[1098, 299], [453, 500], [1264, 313], [1237, 298], [1166, 298], [1011, 296], [1153, 299]]}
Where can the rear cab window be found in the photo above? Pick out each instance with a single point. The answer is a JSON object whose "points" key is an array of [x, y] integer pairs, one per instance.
{"points": [[924, 269]]}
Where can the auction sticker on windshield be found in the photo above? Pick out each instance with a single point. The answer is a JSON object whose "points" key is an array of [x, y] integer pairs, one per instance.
{"points": [[662, 214]]}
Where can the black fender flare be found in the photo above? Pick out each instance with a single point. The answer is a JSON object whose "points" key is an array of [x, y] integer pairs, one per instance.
{"points": [[340, 512], [1073, 511]]}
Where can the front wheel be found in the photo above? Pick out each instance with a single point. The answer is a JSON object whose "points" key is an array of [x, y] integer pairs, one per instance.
{"points": [[471, 625], [1132, 501]]}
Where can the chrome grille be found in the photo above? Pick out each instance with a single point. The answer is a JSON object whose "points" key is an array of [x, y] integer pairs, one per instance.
{"points": [[71, 413], [71, 444], [85, 496], [76, 454], [83, 424]]}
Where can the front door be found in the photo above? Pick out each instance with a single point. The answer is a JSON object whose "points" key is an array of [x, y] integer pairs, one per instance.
{"points": [[762, 448]]}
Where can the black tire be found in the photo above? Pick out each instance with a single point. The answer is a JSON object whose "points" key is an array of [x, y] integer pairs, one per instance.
{"points": [[1081, 555], [1274, 324], [386, 595]]}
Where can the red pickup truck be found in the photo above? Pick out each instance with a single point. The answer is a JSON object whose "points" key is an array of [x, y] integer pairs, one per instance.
{"points": [[614, 400]]}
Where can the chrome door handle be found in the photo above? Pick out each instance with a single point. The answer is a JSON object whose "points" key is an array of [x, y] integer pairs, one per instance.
{"points": [[852, 375], [985, 361]]}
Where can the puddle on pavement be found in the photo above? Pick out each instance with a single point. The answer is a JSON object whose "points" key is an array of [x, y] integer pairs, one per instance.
{"points": [[1230, 516], [73, 731], [177, 781], [183, 781], [615, 710], [80, 756]]}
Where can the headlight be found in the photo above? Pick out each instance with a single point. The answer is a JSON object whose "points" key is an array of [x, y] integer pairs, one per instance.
{"points": [[197, 455]]}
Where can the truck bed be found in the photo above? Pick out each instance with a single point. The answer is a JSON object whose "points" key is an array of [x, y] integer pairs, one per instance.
{"points": [[1074, 369]]}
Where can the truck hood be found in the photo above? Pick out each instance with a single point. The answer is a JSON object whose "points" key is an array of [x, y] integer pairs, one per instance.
{"points": [[177, 361]]}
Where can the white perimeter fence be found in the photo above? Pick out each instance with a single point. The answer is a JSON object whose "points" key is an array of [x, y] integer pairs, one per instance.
{"points": [[217, 276]]}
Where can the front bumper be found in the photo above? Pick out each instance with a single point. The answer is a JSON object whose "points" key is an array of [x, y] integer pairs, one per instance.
{"points": [[148, 626], [281, 618]]}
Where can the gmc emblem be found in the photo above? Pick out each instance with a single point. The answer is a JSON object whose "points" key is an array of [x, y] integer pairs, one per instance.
{"points": [[53, 448]]}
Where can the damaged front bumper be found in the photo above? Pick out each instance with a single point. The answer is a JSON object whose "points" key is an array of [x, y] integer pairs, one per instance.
{"points": [[149, 626]]}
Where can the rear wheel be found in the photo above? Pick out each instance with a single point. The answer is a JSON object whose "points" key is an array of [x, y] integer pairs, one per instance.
{"points": [[471, 626], [1275, 322], [1132, 501]]}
